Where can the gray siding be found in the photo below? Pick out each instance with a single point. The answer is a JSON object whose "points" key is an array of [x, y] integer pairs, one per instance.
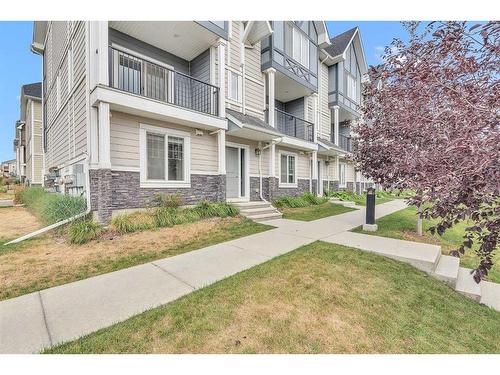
{"points": [[146, 49], [200, 66]]}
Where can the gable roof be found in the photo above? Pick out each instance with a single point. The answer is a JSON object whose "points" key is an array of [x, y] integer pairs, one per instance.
{"points": [[340, 42], [32, 89]]}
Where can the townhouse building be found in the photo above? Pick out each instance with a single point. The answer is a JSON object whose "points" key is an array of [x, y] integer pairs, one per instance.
{"points": [[229, 110], [28, 136]]}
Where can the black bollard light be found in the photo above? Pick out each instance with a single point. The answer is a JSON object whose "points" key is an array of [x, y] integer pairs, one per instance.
{"points": [[370, 211]]}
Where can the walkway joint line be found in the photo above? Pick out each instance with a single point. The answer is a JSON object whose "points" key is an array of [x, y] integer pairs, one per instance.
{"points": [[44, 315], [174, 276]]}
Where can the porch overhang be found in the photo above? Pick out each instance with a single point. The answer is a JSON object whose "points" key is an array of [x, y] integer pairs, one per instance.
{"points": [[249, 127], [255, 31], [327, 148], [298, 144], [145, 107]]}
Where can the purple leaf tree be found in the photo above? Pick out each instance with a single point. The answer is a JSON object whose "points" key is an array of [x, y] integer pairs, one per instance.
{"points": [[431, 124]]}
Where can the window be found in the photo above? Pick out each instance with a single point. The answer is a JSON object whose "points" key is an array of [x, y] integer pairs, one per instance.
{"points": [[235, 86], [342, 175], [129, 73], [351, 87], [288, 170], [300, 47], [165, 156]]}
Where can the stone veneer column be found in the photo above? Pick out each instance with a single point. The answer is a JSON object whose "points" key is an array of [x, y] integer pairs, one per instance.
{"points": [[104, 195]]}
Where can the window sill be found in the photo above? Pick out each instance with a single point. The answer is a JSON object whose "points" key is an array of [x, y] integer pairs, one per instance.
{"points": [[287, 186], [165, 185]]}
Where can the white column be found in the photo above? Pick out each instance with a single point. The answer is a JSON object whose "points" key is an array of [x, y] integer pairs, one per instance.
{"points": [[270, 92], [315, 116], [94, 138], [104, 136], [315, 164], [272, 160], [103, 45], [221, 56], [336, 124], [221, 147]]}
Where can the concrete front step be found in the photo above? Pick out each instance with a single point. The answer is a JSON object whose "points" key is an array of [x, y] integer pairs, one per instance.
{"points": [[490, 294], [447, 270], [258, 211], [467, 286], [265, 217], [420, 255]]}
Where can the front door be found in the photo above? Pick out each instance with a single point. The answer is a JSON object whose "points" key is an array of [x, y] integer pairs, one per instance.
{"points": [[236, 173]]}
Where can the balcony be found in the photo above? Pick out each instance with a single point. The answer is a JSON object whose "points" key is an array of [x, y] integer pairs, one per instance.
{"points": [[345, 143], [293, 126], [139, 76]]}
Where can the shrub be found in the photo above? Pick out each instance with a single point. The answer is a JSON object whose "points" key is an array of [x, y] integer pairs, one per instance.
{"points": [[3, 189], [57, 207], [128, 223], [167, 200], [83, 231], [50, 207], [207, 209], [304, 200]]}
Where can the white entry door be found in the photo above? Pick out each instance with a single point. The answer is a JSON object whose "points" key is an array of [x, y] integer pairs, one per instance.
{"points": [[236, 173], [232, 173]]}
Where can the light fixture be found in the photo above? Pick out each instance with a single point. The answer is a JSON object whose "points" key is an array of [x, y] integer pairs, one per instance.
{"points": [[198, 132], [257, 151]]}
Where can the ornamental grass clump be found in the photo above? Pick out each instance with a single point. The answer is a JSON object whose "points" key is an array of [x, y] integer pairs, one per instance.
{"points": [[83, 231]]}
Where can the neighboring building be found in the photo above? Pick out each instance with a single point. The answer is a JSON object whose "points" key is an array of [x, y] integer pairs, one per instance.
{"points": [[226, 110], [28, 136], [8, 168]]}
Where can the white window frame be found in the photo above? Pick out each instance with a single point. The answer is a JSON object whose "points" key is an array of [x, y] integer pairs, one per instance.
{"points": [[144, 181], [239, 89], [298, 39], [351, 84], [288, 184], [342, 175]]}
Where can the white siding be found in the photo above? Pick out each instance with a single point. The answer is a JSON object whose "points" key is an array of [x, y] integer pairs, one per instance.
{"points": [[254, 160], [66, 127], [125, 143], [325, 120]]}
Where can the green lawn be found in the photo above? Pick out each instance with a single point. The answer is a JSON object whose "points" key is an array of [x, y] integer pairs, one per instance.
{"points": [[321, 298], [402, 225], [48, 261], [314, 212], [361, 200]]}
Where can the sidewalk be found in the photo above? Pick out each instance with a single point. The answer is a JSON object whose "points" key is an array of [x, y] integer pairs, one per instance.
{"points": [[38, 320]]}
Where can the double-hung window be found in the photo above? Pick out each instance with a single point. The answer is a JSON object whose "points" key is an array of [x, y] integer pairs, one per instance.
{"points": [[235, 86], [165, 157], [351, 87], [288, 170], [300, 47], [342, 175]]}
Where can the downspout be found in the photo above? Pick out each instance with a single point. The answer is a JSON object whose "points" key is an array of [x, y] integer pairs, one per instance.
{"points": [[65, 221], [260, 169]]}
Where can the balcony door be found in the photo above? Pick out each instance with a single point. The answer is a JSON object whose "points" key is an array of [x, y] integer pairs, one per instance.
{"points": [[237, 173]]}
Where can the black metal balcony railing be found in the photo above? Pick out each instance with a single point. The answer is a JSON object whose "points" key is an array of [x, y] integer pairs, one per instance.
{"points": [[345, 142], [142, 77], [293, 126]]}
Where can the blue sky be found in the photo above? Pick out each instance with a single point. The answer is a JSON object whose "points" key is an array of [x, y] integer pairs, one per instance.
{"points": [[21, 66], [17, 67]]}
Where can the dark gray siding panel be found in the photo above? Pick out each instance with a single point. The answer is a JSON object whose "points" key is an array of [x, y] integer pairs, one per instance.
{"points": [[295, 107], [200, 66], [216, 28], [146, 49]]}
